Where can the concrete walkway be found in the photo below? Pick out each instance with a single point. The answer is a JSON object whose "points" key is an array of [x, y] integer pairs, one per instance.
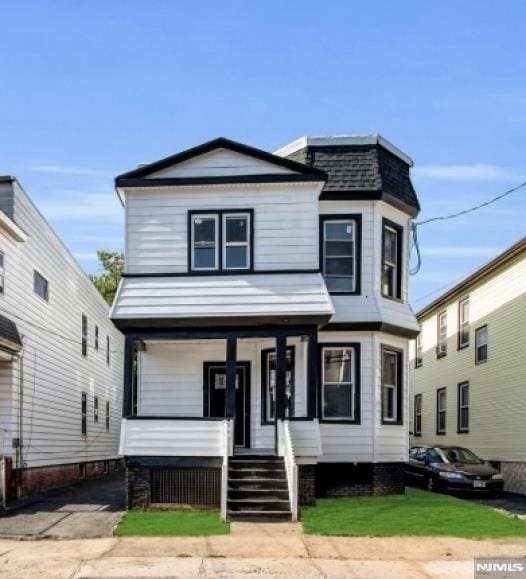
{"points": [[251, 550], [88, 510]]}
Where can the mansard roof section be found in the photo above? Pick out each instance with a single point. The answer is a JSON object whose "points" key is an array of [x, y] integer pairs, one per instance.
{"points": [[358, 167], [219, 161]]}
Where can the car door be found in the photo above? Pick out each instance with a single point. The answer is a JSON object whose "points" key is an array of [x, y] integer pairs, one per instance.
{"points": [[412, 467], [420, 468]]}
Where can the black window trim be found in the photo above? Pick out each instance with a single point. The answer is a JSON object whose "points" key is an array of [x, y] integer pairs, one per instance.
{"points": [[399, 256], [95, 409], [477, 361], [84, 336], [357, 218], [36, 273], [399, 394], [264, 357], [460, 345], [438, 431], [220, 270], [419, 432], [356, 346], [107, 417], [108, 352], [462, 429], [83, 413]]}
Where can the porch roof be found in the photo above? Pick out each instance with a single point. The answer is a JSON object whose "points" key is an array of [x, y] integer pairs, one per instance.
{"points": [[10, 340], [223, 300]]}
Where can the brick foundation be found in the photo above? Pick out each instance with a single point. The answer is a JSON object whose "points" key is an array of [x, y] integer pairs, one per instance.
{"points": [[388, 478], [514, 474], [138, 487], [33, 480], [306, 484]]}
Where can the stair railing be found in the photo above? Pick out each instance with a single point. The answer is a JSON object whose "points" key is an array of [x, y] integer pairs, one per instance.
{"points": [[228, 441], [286, 450]]}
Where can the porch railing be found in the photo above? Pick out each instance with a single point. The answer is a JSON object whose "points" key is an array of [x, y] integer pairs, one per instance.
{"points": [[228, 450], [286, 450]]}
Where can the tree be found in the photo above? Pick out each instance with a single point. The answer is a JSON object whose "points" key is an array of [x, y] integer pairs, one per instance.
{"points": [[112, 263]]}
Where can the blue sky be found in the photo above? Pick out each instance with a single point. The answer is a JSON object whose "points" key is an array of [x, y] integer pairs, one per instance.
{"points": [[89, 89]]}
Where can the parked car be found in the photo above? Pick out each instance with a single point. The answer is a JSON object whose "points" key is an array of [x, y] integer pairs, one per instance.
{"points": [[451, 469]]}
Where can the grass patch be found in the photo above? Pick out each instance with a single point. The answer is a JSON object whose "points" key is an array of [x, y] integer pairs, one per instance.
{"points": [[171, 524], [417, 513]]}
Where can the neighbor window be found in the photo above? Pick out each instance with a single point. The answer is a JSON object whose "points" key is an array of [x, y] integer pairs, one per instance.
{"points": [[391, 386], [40, 285], [481, 344], [463, 407], [108, 350], [236, 242], [419, 355], [2, 272], [96, 409], [84, 342], [268, 360], [339, 383], [463, 323], [441, 334], [84, 413], [391, 260], [96, 340], [417, 426], [220, 240], [107, 416], [340, 246], [441, 411]]}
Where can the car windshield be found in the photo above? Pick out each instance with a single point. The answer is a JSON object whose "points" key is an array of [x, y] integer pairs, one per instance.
{"points": [[458, 454]]}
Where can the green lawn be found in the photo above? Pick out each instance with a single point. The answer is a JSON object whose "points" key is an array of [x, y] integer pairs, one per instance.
{"points": [[171, 524], [417, 513]]}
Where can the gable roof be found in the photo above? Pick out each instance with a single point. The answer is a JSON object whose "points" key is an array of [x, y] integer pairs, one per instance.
{"points": [[140, 177], [358, 167]]}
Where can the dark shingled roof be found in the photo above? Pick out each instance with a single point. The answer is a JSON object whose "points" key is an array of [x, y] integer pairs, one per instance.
{"points": [[361, 169], [9, 335]]}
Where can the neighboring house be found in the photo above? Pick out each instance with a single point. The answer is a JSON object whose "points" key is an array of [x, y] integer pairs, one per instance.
{"points": [[265, 311], [60, 357], [468, 367]]}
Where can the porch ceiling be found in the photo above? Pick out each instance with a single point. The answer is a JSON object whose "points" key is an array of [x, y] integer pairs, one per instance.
{"points": [[288, 298]]}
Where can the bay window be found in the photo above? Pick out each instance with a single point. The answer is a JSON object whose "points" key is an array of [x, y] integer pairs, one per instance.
{"points": [[391, 385], [391, 260], [340, 383]]}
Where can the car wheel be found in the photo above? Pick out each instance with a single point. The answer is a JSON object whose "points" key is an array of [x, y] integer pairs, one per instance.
{"points": [[430, 484]]}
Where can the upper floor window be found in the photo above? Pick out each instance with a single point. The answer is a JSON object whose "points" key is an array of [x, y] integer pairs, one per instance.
{"points": [[441, 334], [441, 411], [419, 351], [391, 386], [40, 285], [220, 240], [96, 337], [463, 323], [417, 426], [108, 350], [391, 260], [340, 252], [481, 344], [2, 272], [340, 395], [84, 342]]}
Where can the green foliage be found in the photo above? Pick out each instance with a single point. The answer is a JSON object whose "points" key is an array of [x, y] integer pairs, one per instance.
{"points": [[112, 263], [417, 513], [171, 524]]}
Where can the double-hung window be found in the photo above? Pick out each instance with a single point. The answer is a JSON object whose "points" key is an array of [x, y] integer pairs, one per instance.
{"points": [[441, 334], [40, 285], [220, 240], [441, 411], [417, 419], [419, 351], [107, 415], [463, 407], [391, 386], [96, 409], [205, 242], [340, 252], [340, 395], [391, 260], [96, 338], [463, 323], [84, 340], [481, 344], [268, 359], [84, 413], [2, 272], [107, 350]]}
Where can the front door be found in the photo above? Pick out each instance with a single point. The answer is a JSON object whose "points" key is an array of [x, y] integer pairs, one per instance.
{"points": [[214, 399]]}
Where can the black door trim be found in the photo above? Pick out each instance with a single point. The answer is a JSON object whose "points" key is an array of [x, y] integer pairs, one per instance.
{"points": [[206, 388]]}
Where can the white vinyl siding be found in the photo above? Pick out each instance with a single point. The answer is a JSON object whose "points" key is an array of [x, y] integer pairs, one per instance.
{"points": [[54, 373]]}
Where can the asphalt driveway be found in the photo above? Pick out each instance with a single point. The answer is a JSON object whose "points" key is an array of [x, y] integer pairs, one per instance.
{"points": [[88, 510], [513, 504]]}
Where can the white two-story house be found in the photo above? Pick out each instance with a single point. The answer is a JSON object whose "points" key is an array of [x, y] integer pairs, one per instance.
{"points": [[265, 311]]}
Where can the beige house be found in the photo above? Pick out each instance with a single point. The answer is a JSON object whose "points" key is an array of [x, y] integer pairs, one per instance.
{"points": [[468, 367]]}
